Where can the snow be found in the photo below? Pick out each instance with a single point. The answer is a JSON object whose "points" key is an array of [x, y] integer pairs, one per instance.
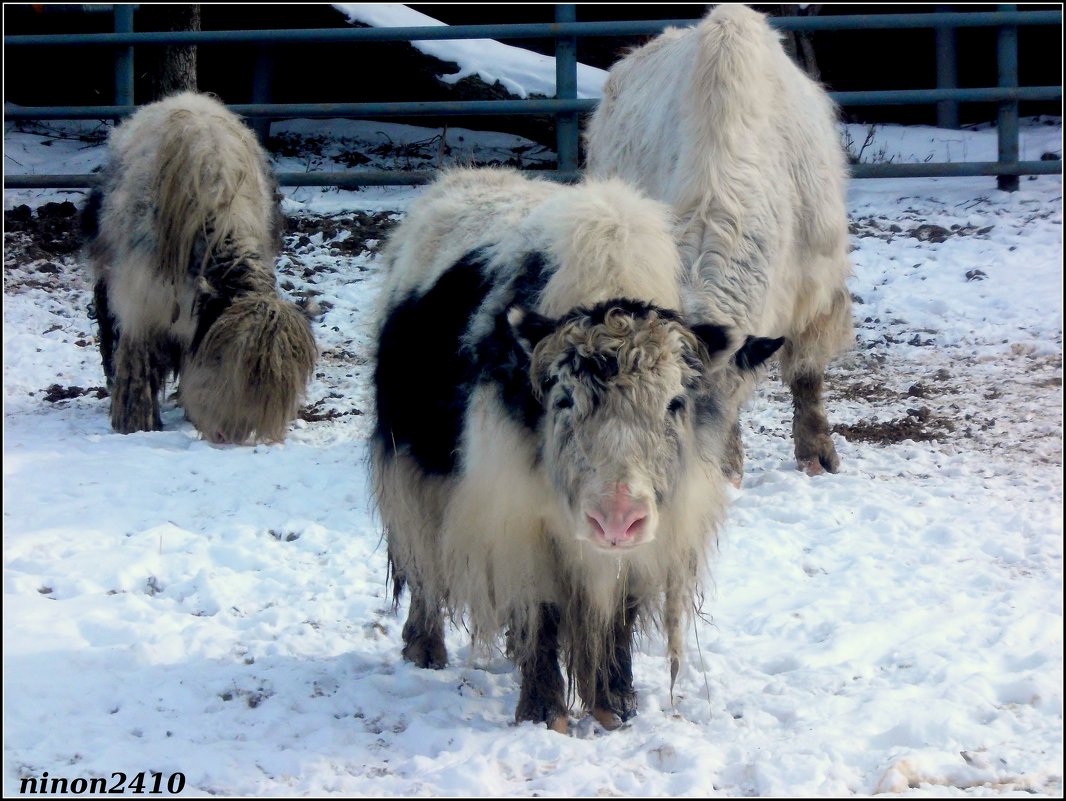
{"points": [[223, 613], [521, 72]]}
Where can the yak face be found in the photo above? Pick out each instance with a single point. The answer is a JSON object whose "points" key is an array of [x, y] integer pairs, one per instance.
{"points": [[245, 377], [621, 385]]}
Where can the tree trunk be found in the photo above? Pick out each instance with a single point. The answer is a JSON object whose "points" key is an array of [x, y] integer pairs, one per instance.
{"points": [[169, 69], [798, 44]]}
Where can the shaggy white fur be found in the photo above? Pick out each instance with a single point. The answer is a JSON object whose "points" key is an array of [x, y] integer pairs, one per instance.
{"points": [[183, 250], [508, 531], [718, 122]]}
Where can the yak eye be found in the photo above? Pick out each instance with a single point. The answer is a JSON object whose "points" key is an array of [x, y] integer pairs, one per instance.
{"points": [[676, 405], [564, 401]]}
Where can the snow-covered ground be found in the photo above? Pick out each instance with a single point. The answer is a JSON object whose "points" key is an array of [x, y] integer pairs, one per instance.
{"points": [[521, 72], [222, 613]]}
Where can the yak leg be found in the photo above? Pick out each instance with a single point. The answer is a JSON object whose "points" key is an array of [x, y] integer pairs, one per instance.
{"points": [[616, 700], [134, 401], [542, 698], [815, 452], [733, 455], [165, 359], [107, 332], [803, 362], [423, 633], [410, 505], [733, 463]]}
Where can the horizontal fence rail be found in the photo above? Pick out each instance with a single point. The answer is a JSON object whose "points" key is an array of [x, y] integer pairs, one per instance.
{"points": [[443, 108], [565, 106], [534, 30], [354, 179]]}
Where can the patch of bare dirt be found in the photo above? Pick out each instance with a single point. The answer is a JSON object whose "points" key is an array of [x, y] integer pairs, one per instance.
{"points": [[920, 425], [50, 232], [41, 246], [342, 235], [57, 392], [884, 228], [1010, 405], [317, 411]]}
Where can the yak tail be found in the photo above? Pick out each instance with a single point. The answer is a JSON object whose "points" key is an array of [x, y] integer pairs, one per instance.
{"points": [[212, 185]]}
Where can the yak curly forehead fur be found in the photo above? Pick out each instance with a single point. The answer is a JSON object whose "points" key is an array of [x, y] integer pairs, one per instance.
{"points": [[640, 346]]}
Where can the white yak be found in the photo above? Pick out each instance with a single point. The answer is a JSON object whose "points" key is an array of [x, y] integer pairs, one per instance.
{"points": [[719, 123]]}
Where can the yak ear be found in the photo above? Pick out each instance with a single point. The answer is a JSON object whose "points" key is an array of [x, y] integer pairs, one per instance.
{"points": [[529, 327], [755, 351], [719, 342], [715, 338]]}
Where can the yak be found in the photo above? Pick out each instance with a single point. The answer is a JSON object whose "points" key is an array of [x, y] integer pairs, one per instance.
{"points": [[182, 233], [717, 121], [546, 457]]}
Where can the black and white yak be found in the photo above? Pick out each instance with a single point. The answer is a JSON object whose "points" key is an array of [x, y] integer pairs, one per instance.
{"points": [[719, 123], [550, 428], [182, 232]]}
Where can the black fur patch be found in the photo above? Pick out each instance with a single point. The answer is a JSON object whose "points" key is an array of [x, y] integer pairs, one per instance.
{"points": [[89, 221], [755, 351], [600, 367], [423, 378], [529, 282], [229, 275], [532, 328], [209, 307], [714, 337], [707, 410], [637, 309], [501, 357]]}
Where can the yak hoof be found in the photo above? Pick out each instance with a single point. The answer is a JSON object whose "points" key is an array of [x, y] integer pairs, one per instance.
{"points": [[735, 480], [817, 456], [133, 423], [560, 723], [817, 465], [425, 653], [606, 718], [550, 711]]}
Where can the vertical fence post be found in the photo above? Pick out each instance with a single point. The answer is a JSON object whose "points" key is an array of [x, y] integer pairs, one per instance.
{"points": [[123, 56], [261, 78], [1007, 118], [566, 133], [947, 111]]}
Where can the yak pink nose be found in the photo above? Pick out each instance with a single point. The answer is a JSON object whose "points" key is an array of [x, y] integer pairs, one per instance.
{"points": [[619, 519]]}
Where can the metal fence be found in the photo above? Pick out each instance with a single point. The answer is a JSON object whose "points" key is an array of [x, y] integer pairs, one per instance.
{"points": [[566, 106]]}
